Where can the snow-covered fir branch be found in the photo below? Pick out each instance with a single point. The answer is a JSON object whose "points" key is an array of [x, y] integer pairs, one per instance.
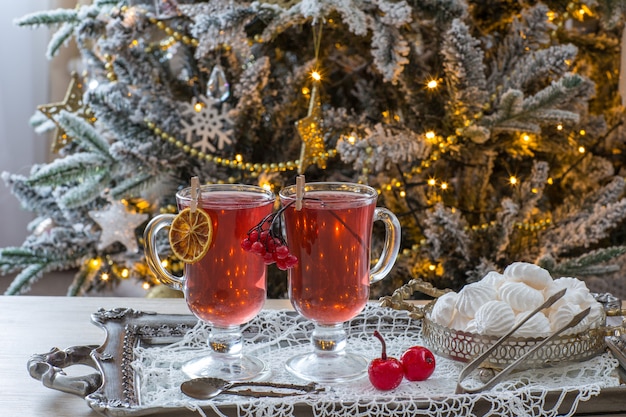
{"points": [[594, 262], [72, 168], [465, 72], [380, 147], [49, 17], [445, 234]]}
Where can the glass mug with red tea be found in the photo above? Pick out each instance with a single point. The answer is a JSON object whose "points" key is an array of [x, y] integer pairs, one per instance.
{"points": [[227, 286], [331, 238]]}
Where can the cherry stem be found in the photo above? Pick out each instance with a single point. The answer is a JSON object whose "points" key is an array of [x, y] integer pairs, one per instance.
{"points": [[379, 336]]}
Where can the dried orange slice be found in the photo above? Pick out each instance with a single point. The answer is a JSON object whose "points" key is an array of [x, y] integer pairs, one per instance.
{"points": [[191, 234]]}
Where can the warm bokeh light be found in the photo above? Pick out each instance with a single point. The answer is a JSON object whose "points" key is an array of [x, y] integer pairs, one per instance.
{"points": [[430, 135], [432, 84], [581, 149], [316, 75], [513, 180], [432, 182]]}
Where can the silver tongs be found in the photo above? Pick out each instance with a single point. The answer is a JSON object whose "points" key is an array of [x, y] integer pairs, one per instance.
{"points": [[476, 362]]}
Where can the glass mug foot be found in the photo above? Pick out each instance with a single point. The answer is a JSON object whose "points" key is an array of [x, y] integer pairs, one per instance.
{"points": [[329, 362], [226, 359], [328, 367], [243, 368]]}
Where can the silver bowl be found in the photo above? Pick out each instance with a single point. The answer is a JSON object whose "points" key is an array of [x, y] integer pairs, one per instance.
{"points": [[464, 346]]}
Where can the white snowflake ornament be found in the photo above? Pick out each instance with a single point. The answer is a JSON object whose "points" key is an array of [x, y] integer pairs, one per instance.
{"points": [[118, 225], [209, 126]]}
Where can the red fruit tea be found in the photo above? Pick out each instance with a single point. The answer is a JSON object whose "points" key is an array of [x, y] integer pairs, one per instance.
{"points": [[331, 238], [228, 286]]}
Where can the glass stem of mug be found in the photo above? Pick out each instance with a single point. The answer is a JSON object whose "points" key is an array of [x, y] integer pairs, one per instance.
{"points": [[226, 342], [329, 339]]}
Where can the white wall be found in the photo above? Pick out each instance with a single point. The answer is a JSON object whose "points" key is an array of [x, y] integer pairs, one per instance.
{"points": [[24, 84]]}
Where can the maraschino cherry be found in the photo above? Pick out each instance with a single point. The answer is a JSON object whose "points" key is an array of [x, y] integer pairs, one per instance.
{"points": [[386, 372], [418, 363]]}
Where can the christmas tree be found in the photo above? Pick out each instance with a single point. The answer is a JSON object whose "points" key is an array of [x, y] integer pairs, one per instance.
{"points": [[492, 128]]}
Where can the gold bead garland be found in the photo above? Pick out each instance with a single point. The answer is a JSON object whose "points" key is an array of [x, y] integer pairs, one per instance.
{"points": [[237, 162], [187, 40], [108, 66]]}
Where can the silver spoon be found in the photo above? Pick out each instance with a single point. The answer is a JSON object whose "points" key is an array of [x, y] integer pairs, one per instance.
{"points": [[207, 388]]}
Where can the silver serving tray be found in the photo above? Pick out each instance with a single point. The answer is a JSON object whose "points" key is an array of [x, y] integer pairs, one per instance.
{"points": [[111, 389]]}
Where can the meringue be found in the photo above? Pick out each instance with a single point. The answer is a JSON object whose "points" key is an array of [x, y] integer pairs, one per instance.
{"points": [[560, 317], [536, 326], [494, 318], [493, 279], [459, 322], [528, 273], [472, 297], [576, 291], [471, 326], [595, 317], [443, 310], [520, 296]]}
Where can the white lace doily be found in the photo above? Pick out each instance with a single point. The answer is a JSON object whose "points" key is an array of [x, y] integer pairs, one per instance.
{"points": [[276, 335]]}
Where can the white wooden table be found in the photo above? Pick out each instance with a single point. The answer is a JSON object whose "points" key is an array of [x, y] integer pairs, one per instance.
{"points": [[32, 325]]}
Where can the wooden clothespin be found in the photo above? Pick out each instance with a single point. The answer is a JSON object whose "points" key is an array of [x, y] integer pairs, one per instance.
{"points": [[299, 191], [195, 187]]}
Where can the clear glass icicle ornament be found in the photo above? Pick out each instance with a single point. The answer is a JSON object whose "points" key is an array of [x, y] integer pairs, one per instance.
{"points": [[218, 86]]}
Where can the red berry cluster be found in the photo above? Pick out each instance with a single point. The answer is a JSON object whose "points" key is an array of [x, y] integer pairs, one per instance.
{"points": [[271, 248]]}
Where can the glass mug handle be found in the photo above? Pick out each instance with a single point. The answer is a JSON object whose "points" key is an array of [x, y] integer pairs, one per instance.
{"points": [[391, 246], [152, 257]]}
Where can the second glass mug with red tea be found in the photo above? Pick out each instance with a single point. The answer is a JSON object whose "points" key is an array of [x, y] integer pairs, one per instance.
{"points": [[331, 237], [227, 287]]}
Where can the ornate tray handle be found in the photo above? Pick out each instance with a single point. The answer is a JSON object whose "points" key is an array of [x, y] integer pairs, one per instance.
{"points": [[48, 368], [396, 299]]}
